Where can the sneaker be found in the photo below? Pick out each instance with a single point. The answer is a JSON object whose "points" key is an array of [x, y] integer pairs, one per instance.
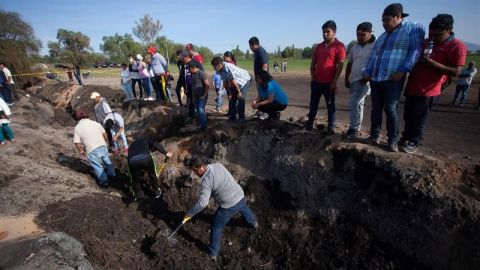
{"points": [[393, 147], [264, 116], [351, 134], [257, 114], [158, 193], [373, 141], [410, 148], [2, 143]]}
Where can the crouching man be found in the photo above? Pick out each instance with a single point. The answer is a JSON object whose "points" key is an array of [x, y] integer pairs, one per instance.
{"points": [[90, 139], [227, 193]]}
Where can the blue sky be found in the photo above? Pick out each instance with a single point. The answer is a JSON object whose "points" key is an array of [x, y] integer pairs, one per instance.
{"points": [[221, 25]]}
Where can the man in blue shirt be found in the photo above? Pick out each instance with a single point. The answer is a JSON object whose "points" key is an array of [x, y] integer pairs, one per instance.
{"points": [[260, 59], [394, 55]]}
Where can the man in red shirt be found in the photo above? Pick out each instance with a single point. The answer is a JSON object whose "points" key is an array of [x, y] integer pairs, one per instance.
{"points": [[446, 58], [195, 55], [325, 68]]}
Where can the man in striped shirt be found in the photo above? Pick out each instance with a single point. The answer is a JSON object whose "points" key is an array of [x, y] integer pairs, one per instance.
{"points": [[240, 81], [394, 55]]}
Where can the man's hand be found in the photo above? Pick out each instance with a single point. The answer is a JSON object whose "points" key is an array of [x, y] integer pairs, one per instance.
{"points": [[347, 83], [333, 87], [397, 76], [239, 95]]}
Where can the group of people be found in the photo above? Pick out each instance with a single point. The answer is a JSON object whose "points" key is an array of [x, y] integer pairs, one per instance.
{"points": [[284, 66], [380, 66]]}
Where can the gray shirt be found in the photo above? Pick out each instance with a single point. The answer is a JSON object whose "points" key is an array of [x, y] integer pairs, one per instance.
{"points": [[217, 182], [102, 111], [197, 83], [159, 65]]}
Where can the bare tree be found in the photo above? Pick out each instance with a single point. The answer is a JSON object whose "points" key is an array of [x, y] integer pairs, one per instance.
{"points": [[147, 29]]}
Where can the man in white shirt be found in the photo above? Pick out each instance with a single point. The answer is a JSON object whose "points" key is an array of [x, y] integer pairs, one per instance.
{"points": [[90, 139], [463, 85]]}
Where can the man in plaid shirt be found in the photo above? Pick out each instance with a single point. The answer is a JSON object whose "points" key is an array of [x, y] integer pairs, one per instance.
{"points": [[394, 55]]}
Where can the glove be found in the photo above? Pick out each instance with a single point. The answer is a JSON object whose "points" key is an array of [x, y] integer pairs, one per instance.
{"points": [[186, 218]]}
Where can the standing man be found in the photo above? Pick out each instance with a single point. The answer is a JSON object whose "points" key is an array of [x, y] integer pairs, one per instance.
{"points": [[133, 68], [126, 82], [357, 60], [186, 58], [446, 58], [463, 85], [90, 139], [200, 86], [240, 81], [219, 183], [193, 54], [78, 74], [395, 53], [325, 68], [160, 72], [260, 59], [181, 78], [11, 83]]}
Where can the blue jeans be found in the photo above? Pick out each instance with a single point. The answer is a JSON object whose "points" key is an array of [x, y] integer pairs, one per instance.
{"points": [[127, 89], [200, 108], [6, 93], [385, 96], [222, 217], [317, 90], [461, 94], [358, 92], [219, 99], [5, 128], [146, 86], [97, 158], [237, 105]]}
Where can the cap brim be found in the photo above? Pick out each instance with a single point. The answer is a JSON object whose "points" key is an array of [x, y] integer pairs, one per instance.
{"points": [[405, 15]]}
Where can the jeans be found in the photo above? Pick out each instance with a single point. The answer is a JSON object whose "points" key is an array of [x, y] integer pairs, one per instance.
{"points": [[6, 93], [237, 105], [317, 90], [146, 86], [415, 116], [122, 136], [385, 96], [5, 128], [78, 76], [358, 92], [127, 89], [219, 99], [200, 108], [135, 81], [222, 217], [461, 94], [97, 158], [159, 86]]}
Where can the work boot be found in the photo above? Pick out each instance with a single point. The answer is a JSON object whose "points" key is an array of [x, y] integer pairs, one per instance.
{"points": [[158, 193]]}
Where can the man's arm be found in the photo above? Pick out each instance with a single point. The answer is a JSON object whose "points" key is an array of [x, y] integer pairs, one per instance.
{"points": [[417, 37], [338, 71], [205, 193], [206, 84], [81, 149], [447, 70], [105, 136], [313, 63], [347, 72]]}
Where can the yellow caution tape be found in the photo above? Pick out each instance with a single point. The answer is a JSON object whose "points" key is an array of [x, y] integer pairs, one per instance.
{"points": [[62, 70]]}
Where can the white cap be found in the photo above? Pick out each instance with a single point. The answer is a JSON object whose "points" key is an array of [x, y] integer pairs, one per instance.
{"points": [[139, 57], [94, 95]]}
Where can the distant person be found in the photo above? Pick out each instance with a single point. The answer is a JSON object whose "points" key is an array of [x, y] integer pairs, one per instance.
{"points": [[357, 60], [284, 65], [133, 68], [181, 77], [70, 74], [271, 97], [5, 123], [144, 77], [325, 69], [187, 58], [11, 82], [5, 91], [193, 54], [219, 90], [78, 74], [240, 81], [126, 82], [463, 85], [160, 71], [395, 53], [218, 182], [200, 87], [443, 56], [275, 66], [90, 139], [260, 59], [229, 58], [140, 160], [116, 127]]}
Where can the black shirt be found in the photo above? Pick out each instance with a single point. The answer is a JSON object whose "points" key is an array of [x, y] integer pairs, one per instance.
{"points": [[143, 147]]}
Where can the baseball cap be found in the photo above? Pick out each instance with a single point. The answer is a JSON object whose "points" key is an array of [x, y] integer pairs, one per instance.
{"points": [[365, 27], [394, 10], [139, 57], [184, 53], [152, 50], [94, 95], [194, 64]]}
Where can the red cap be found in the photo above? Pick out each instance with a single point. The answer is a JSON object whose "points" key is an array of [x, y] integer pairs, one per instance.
{"points": [[152, 50]]}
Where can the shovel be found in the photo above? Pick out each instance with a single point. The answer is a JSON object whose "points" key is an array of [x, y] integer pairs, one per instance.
{"points": [[185, 219]]}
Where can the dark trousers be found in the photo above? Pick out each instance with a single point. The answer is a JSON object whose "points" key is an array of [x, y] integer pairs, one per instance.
{"points": [[317, 90], [6, 94], [160, 91], [272, 108], [190, 102], [178, 89], [137, 169], [385, 96], [140, 87], [78, 77], [415, 116]]}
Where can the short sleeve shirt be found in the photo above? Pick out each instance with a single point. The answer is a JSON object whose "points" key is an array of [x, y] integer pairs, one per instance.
{"points": [[425, 81], [273, 88], [327, 57], [90, 134], [231, 72], [260, 59], [197, 83], [7, 73]]}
